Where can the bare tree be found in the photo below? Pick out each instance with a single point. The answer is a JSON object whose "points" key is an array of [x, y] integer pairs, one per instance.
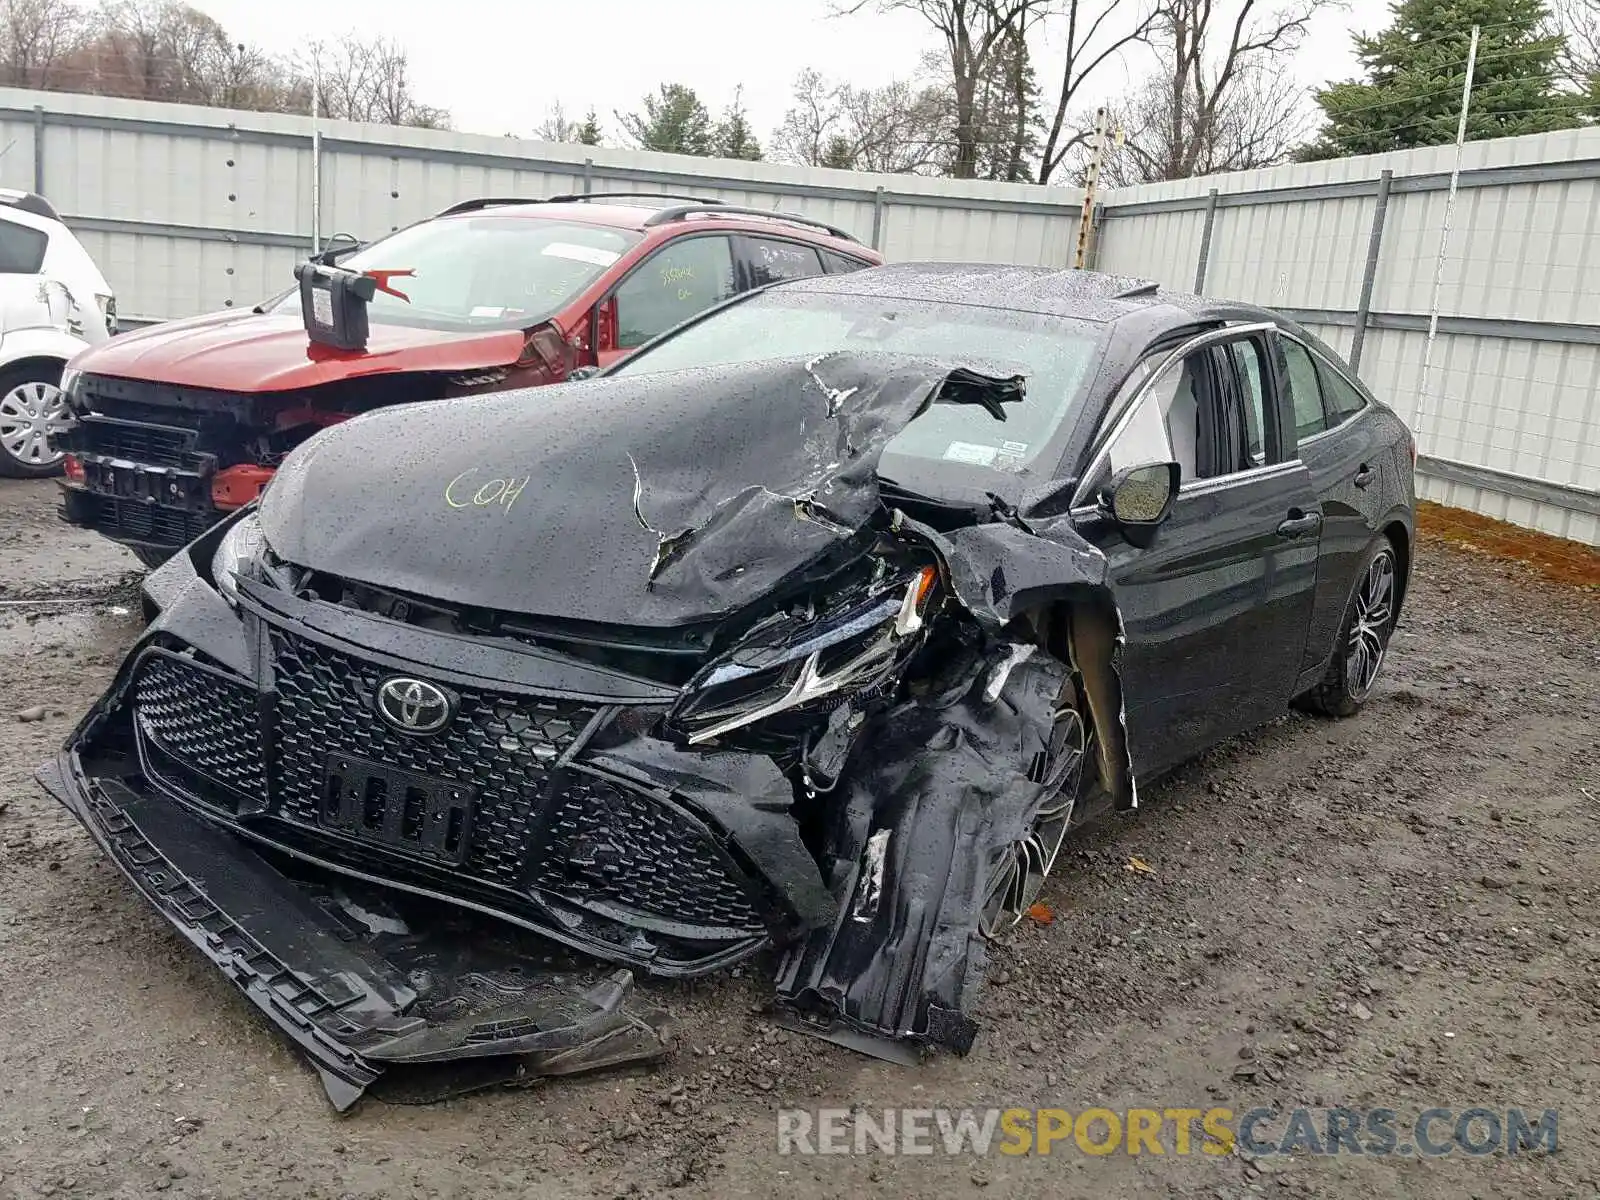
{"points": [[901, 128], [369, 79], [974, 33], [1580, 21], [1090, 43], [556, 126], [1222, 98], [35, 37]]}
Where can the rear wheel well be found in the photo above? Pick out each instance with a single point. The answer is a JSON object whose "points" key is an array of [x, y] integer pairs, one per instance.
{"points": [[1401, 541]]}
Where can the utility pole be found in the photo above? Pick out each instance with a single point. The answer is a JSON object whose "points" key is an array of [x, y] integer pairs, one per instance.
{"points": [[316, 151], [1088, 187], [1444, 240]]}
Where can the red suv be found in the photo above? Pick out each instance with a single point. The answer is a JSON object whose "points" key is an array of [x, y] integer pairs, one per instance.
{"points": [[180, 423]]}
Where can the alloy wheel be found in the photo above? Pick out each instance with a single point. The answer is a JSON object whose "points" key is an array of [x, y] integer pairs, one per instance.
{"points": [[29, 414], [1369, 628], [1020, 872]]}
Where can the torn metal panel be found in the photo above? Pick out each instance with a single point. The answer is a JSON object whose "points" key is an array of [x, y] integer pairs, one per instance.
{"points": [[954, 786], [1006, 569]]}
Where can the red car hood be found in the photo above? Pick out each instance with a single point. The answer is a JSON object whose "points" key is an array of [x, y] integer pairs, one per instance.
{"points": [[270, 352]]}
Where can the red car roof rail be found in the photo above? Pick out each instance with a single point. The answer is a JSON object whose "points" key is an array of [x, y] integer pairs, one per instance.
{"points": [[482, 202], [679, 211], [479, 203], [679, 196]]}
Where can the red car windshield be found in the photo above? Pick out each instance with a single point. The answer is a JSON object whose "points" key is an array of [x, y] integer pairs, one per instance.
{"points": [[483, 272]]}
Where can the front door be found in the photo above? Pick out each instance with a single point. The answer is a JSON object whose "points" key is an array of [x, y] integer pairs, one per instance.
{"points": [[682, 279], [1215, 608]]}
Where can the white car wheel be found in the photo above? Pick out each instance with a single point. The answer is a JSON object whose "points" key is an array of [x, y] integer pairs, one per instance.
{"points": [[31, 410]]}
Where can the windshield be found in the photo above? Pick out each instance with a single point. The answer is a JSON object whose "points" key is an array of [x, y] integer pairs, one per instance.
{"points": [[483, 272], [1056, 356]]}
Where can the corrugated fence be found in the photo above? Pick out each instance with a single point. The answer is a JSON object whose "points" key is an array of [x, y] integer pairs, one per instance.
{"points": [[190, 209], [1511, 424]]}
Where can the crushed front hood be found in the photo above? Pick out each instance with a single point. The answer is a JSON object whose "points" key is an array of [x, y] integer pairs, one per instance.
{"points": [[647, 500], [358, 989], [270, 352]]}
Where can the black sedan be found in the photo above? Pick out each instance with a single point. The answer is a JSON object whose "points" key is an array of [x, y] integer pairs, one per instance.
{"points": [[812, 628]]}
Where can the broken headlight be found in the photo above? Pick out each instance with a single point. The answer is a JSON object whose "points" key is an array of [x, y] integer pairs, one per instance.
{"points": [[786, 665], [238, 553]]}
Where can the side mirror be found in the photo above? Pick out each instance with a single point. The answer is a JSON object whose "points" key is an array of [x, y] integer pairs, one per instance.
{"points": [[582, 373], [1140, 498]]}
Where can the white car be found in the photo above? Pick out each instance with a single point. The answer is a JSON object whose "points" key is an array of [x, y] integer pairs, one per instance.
{"points": [[54, 302]]}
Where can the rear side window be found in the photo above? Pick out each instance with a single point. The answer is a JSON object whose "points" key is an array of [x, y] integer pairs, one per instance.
{"points": [[772, 261], [842, 264], [1305, 392], [21, 249], [1342, 398]]}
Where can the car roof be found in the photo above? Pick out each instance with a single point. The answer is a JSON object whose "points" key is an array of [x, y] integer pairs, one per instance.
{"points": [[626, 212], [1049, 291]]}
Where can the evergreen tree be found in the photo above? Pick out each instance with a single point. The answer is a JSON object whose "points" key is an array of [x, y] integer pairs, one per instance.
{"points": [[674, 121], [733, 137], [588, 133], [1008, 114], [1416, 68]]}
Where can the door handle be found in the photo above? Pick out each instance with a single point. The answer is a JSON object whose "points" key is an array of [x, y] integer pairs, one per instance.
{"points": [[1299, 523], [1364, 476]]}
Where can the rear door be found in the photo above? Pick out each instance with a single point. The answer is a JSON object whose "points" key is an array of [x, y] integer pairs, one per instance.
{"points": [[1344, 454], [1215, 608], [773, 260]]}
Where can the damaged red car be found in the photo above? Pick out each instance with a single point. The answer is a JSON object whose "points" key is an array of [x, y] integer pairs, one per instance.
{"points": [[177, 425], [807, 633]]}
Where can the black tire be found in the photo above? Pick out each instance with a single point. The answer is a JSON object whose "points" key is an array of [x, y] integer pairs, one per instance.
{"points": [[150, 557], [11, 465], [1363, 642]]}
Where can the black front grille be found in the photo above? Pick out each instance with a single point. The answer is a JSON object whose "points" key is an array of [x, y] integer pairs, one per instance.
{"points": [[503, 745], [150, 445], [622, 847], [138, 520], [484, 797], [202, 720]]}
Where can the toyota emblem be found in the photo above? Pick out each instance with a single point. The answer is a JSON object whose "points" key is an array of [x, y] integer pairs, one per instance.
{"points": [[414, 705]]}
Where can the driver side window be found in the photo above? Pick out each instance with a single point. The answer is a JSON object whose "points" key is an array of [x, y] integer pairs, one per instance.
{"points": [[672, 285], [1207, 412]]}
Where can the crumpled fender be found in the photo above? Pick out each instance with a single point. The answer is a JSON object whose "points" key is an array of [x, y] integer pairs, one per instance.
{"points": [[1002, 570], [945, 792]]}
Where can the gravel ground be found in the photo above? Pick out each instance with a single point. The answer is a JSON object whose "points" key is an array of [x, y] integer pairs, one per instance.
{"points": [[1397, 910]]}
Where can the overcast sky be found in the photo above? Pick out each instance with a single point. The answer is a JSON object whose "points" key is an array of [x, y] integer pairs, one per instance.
{"points": [[497, 65]]}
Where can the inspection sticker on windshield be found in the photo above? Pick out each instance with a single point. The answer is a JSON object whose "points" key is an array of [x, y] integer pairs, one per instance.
{"points": [[584, 254], [971, 452]]}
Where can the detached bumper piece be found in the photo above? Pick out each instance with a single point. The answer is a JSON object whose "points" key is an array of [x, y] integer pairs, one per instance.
{"points": [[411, 1003]]}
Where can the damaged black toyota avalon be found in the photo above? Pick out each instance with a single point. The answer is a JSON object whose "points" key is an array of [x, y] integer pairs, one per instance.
{"points": [[810, 629]]}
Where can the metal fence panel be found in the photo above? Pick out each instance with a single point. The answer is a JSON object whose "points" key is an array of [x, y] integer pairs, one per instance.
{"points": [[190, 209], [194, 208], [1511, 425]]}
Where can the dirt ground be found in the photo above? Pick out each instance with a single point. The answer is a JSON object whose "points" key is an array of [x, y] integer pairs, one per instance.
{"points": [[1398, 910]]}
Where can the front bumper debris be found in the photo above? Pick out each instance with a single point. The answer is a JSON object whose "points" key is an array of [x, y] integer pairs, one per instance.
{"points": [[360, 990]]}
